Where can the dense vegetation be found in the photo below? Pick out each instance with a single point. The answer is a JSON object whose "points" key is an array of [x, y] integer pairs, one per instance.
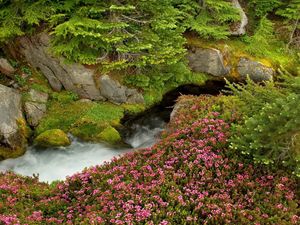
{"points": [[189, 177], [222, 160]]}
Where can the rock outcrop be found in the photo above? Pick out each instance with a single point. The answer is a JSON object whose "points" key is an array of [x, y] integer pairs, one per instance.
{"points": [[6, 68], [255, 70], [35, 107], [73, 77], [11, 118], [210, 61], [207, 60], [117, 93]]}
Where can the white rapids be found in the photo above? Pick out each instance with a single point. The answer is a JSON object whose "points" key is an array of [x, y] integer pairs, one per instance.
{"points": [[56, 164]]}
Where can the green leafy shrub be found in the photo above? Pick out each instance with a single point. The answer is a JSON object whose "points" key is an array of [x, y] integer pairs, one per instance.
{"points": [[261, 42], [209, 18], [271, 123], [18, 17]]}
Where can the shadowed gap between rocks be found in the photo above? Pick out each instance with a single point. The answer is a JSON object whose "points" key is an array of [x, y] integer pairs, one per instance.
{"points": [[162, 110]]}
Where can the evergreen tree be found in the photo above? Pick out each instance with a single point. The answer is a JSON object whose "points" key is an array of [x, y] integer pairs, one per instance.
{"points": [[18, 16], [291, 11]]}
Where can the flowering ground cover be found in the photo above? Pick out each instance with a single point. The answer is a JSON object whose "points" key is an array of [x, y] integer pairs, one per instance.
{"points": [[189, 177]]}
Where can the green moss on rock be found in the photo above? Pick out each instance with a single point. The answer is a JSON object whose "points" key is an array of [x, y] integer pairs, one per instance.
{"points": [[6, 153], [110, 135], [53, 138]]}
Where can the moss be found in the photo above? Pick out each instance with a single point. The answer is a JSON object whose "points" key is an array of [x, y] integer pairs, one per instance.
{"points": [[133, 109], [155, 95], [110, 135], [52, 138], [6, 153], [85, 120]]}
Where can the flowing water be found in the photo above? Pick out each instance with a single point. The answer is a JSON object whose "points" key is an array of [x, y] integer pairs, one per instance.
{"points": [[57, 164]]}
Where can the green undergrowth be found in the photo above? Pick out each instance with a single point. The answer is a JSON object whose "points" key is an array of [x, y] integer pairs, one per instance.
{"points": [[157, 81]]}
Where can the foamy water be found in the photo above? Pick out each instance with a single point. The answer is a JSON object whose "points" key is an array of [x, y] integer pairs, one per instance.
{"points": [[57, 163]]}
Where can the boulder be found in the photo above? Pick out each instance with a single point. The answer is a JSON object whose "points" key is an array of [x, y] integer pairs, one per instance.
{"points": [[73, 77], [117, 93], [35, 107], [5, 67], [207, 60], [255, 70], [52, 138], [12, 137]]}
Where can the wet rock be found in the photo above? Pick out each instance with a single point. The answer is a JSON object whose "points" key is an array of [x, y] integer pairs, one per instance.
{"points": [[6, 68], [11, 118], [255, 70], [117, 93], [207, 60]]}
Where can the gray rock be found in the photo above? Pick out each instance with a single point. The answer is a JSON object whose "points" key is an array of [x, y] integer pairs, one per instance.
{"points": [[38, 96], [6, 68], [73, 77], [35, 107], [10, 114], [240, 27], [207, 60], [117, 93], [34, 112], [255, 70]]}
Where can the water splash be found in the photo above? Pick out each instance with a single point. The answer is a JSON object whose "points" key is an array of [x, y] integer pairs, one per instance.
{"points": [[55, 164]]}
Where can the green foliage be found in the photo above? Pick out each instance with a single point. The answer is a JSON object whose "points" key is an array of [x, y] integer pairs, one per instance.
{"points": [[271, 122], [261, 42], [64, 97], [211, 19], [118, 35], [17, 17], [136, 33], [290, 10], [263, 7], [156, 81]]}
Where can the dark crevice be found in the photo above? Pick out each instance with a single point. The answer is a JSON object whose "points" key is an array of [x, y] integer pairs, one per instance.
{"points": [[165, 107]]}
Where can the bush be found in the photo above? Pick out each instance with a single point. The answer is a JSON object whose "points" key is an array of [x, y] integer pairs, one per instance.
{"points": [[271, 122]]}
